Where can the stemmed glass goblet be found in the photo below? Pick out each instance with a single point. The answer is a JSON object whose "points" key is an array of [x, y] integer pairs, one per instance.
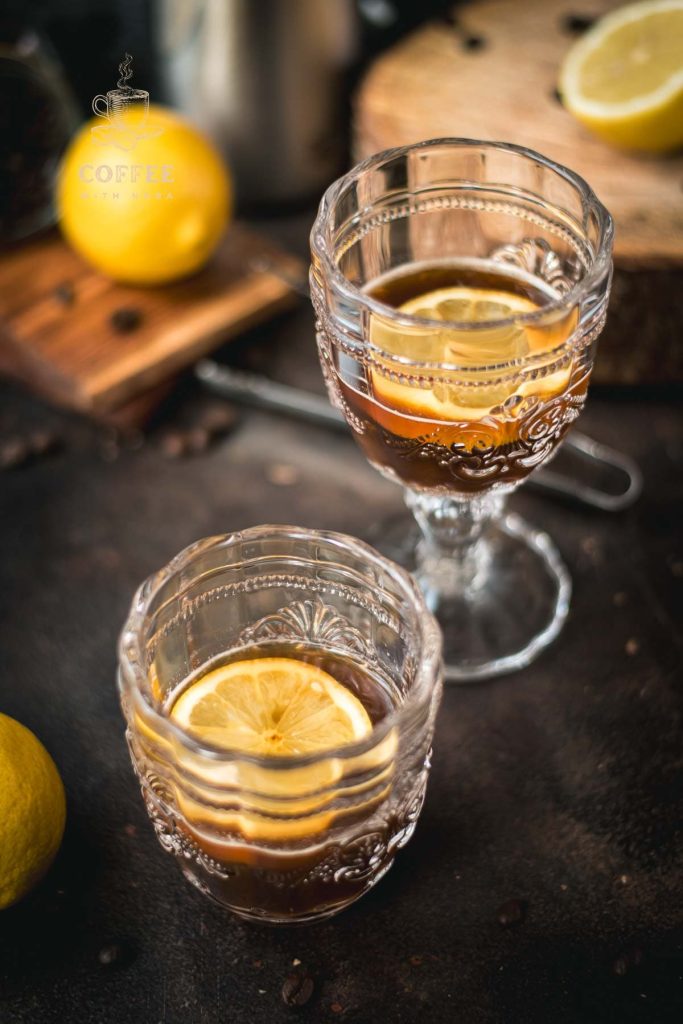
{"points": [[459, 289]]}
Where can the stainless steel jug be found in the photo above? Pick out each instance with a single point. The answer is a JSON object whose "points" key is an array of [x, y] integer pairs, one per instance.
{"points": [[264, 78]]}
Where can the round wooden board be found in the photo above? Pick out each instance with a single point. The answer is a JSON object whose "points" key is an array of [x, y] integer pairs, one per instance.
{"points": [[431, 85]]}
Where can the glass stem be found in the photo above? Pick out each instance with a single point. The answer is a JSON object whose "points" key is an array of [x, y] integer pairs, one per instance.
{"points": [[453, 555]]}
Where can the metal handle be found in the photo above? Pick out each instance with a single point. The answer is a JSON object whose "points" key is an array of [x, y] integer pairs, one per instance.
{"points": [[256, 390], [590, 451], [253, 389]]}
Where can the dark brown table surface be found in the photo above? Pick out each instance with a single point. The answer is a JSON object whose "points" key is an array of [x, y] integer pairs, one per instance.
{"points": [[561, 786]]}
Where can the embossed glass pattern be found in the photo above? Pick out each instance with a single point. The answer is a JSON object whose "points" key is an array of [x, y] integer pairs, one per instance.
{"points": [[461, 411], [295, 838]]}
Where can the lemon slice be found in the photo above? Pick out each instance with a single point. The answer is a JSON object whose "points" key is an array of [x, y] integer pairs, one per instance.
{"points": [[272, 707], [624, 78], [448, 399], [474, 305], [276, 707]]}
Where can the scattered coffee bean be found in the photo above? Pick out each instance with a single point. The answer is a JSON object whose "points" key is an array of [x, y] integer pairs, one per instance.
{"points": [[109, 450], [218, 419], [628, 961], [282, 474], [577, 23], [126, 319], [172, 444], [620, 966], [132, 439], [197, 440], [44, 442], [297, 988], [65, 294], [13, 452], [473, 43], [110, 955], [511, 913]]}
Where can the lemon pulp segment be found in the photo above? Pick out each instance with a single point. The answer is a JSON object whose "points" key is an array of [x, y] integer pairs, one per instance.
{"points": [[271, 707]]}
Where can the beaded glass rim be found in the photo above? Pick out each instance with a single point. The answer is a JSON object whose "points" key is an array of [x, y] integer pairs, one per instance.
{"points": [[132, 673], [324, 248]]}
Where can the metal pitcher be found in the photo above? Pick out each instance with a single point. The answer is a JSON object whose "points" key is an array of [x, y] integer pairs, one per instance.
{"points": [[264, 78]]}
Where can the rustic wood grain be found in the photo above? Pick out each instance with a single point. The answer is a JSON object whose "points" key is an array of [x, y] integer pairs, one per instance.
{"points": [[71, 352], [432, 85]]}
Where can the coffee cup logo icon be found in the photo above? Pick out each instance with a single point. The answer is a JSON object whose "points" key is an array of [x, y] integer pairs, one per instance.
{"points": [[124, 112]]}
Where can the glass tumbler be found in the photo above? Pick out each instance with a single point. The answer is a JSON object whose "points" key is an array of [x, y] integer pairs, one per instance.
{"points": [[458, 408], [281, 839]]}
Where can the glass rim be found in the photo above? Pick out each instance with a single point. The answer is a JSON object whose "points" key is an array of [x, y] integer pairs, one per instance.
{"points": [[322, 246], [132, 675]]}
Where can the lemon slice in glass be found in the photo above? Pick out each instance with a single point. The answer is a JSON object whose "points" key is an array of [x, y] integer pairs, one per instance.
{"points": [[624, 78], [276, 707], [449, 399], [271, 707]]}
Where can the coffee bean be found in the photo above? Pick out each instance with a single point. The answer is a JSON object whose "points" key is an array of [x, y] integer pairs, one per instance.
{"points": [[197, 440], [511, 913], [109, 450], [110, 955], [13, 452], [43, 442], [218, 419], [297, 988], [628, 961], [132, 439], [575, 24], [282, 474], [126, 319], [65, 294], [172, 445]]}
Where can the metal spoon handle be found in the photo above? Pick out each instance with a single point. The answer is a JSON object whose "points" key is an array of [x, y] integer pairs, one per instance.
{"points": [[256, 390]]}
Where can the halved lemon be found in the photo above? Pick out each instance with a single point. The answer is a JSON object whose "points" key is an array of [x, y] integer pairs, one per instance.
{"points": [[624, 78], [450, 398], [271, 707]]}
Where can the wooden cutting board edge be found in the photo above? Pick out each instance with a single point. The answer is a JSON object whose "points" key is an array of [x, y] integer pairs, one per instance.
{"points": [[218, 314]]}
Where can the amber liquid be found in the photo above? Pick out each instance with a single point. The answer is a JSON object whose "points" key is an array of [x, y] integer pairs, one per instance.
{"points": [[293, 877], [449, 446]]}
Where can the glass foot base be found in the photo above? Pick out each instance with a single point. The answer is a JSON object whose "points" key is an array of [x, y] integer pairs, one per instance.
{"points": [[501, 619]]}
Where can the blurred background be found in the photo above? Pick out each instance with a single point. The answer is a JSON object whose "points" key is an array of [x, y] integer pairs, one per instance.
{"points": [[273, 68]]}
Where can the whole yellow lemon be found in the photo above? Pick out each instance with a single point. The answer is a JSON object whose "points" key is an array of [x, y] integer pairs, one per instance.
{"points": [[142, 196], [32, 810]]}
